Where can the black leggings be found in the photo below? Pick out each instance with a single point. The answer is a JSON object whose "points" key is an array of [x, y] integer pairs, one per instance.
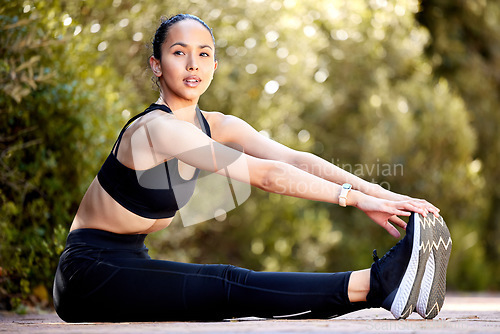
{"points": [[103, 276]]}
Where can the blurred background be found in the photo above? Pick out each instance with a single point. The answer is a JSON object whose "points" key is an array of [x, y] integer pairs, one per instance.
{"points": [[402, 93]]}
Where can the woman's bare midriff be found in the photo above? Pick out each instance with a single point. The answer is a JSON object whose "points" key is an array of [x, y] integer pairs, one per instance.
{"points": [[98, 210]]}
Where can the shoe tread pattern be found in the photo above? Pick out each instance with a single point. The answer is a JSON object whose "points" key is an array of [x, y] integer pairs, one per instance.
{"points": [[426, 237], [441, 248]]}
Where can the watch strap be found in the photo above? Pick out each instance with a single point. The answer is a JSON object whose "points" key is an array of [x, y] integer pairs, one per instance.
{"points": [[346, 187]]}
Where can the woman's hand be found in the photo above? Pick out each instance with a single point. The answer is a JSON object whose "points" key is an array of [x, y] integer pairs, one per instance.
{"points": [[392, 196], [384, 212]]}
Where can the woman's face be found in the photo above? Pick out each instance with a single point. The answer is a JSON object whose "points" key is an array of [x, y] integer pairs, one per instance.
{"points": [[187, 65]]}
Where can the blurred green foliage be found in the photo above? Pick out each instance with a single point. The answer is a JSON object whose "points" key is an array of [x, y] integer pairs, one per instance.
{"points": [[399, 93], [465, 51], [59, 100]]}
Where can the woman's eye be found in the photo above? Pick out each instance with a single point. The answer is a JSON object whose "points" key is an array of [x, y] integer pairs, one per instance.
{"points": [[180, 53], [204, 54]]}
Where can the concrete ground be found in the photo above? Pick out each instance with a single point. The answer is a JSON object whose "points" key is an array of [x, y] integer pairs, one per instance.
{"points": [[462, 313]]}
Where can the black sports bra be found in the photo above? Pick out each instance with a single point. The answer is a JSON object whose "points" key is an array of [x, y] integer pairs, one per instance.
{"points": [[149, 193]]}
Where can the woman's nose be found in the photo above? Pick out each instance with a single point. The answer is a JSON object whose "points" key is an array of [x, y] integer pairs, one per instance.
{"points": [[192, 65]]}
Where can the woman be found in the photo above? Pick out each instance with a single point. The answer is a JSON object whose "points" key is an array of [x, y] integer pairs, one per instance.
{"points": [[105, 273]]}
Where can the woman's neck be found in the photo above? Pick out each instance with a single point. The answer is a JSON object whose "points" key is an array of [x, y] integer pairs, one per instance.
{"points": [[185, 112]]}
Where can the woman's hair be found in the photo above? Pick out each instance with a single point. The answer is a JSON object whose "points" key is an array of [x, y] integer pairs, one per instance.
{"points": [[162, 31]]}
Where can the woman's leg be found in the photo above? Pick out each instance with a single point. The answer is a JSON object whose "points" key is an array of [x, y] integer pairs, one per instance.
{"points": [[359, 286], [125, 285], [152, 290]]}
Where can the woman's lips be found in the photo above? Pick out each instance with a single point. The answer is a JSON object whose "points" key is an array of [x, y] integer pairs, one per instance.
{"points": [[192, 81]]}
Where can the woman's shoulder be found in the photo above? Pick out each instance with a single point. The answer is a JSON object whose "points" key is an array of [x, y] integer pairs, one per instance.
{"points": [[219, 119], [213, 116], [221, 125], [226, 128]]}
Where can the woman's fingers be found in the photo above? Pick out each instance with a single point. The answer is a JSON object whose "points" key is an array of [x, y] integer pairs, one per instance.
{"points": [[413, 206], [398, 221], [427, 206], [386, 213], [391, 229], [418, 205]]}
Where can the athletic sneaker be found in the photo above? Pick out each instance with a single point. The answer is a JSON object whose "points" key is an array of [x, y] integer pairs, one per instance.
{"points": [[433, 288], [395, 278]]}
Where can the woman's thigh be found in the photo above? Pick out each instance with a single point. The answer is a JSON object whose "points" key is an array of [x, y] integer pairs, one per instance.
{"points": [[140, 289]]}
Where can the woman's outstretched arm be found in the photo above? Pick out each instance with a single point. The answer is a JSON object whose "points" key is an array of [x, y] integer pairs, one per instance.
{"points": [[233, 129], [174, 138]]}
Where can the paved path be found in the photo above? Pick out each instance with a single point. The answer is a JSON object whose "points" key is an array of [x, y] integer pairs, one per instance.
{"points": [[462, 313]]}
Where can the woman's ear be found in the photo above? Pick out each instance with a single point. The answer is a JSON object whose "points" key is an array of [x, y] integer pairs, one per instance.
{"points": [[155, 66]]}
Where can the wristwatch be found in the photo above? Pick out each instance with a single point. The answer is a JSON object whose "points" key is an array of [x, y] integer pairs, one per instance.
{"points": [[346, 187]]}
